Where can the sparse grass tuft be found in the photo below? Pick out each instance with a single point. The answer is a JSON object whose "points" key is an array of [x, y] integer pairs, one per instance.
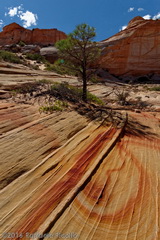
{"points": [[57, 106], [122, 96]]}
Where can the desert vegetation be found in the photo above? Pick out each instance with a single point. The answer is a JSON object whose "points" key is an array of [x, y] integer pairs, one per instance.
{"points": [[78, 52], [9, 57], [36, 57]]}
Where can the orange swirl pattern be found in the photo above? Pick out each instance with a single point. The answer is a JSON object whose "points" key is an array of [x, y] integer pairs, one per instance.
{"points": [[96, 186]]}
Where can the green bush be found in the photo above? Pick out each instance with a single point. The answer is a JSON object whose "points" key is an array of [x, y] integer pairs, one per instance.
{"points": [[94, 79], [94, 98], [9, 57], [58, 68], [57, 106], [157, 88], [44, 81], [36, 57], [21, 44], [71, 93], [49, 67]]}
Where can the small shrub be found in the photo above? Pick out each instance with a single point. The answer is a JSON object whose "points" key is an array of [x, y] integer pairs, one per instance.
{"points": [[61, 103], [44, 81], [57, 106], [50, 108], [27, 88], [35, 67], [157, 88], [94, 79], [58, 68], [35, 57], [9, 57], [49, 67], [71, 93], [122, 96], [21, 44], [94, 98]]}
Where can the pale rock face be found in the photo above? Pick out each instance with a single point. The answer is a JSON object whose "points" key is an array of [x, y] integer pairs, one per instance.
{"points": [[50, 53], [133, 51], [14, 33]]}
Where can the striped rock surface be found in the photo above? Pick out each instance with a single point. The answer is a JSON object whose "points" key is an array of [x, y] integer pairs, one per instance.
{"points": [[103, 183]]}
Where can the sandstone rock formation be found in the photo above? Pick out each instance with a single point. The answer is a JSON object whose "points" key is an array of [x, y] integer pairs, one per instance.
{"points": [[14, 33], [65, 177], [50, 53], [44, 133], [134, 51], [93, 187]]}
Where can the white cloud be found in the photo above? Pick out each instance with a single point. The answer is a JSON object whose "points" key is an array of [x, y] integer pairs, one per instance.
{"points": [[140, 9], [147, 17], [123, 27], [131, 9], [1, 23], [157, 16], [28, 18], [14, 11]]}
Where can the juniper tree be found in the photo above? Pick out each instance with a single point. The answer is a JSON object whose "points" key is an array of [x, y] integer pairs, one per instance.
{"points": [[78, 53]]}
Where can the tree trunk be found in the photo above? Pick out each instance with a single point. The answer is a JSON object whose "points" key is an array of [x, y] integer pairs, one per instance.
{"points": [[84, 96]]}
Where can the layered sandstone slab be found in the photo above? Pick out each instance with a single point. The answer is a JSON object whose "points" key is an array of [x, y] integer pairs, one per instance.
{"points": [[133, 51], [26, 137], [93, 187], [14, 33]]}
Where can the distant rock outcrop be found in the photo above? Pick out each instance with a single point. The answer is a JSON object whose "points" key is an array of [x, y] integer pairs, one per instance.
{"points": [[14, 33], [134, 51], [50, 53]]}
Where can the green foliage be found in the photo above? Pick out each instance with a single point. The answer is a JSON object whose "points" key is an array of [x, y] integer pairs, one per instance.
{"points": [[94, 98], [78, 53], [60, 68], [157, 88], [9, 57], [49, 67], [94, 79], [72, 93], [35, 67], [21, 44], [57, 106], [36, 57], [44, 81], [50, 108]]}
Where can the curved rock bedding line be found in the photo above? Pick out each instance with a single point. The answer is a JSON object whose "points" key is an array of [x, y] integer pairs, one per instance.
{"points": [[26, 137], [99, 185], [122, 199], [37, 194]]}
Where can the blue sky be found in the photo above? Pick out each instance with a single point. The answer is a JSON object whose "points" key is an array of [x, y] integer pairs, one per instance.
{"points": [[107, 16]]}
